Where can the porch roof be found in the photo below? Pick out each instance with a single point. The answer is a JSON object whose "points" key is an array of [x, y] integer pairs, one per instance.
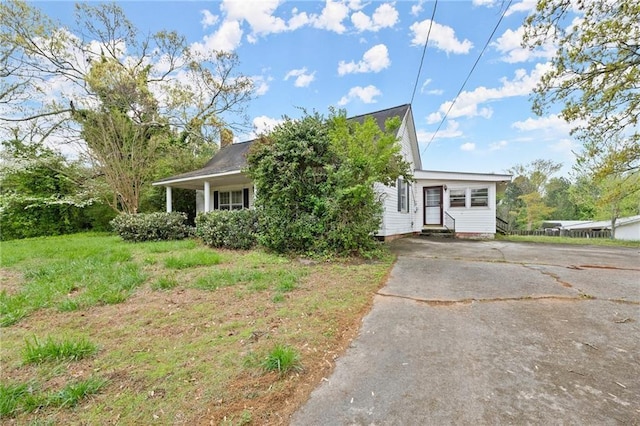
{"points": [[461, 176], [225, 166]]}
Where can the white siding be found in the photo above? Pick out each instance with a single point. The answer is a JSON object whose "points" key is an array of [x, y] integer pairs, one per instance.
{"points": [[393, 221], [629, 232], [473, 220]]}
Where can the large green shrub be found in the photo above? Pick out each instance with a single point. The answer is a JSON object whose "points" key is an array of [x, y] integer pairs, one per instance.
{"points": [[315, 181], [234, 229], [151, 226]]}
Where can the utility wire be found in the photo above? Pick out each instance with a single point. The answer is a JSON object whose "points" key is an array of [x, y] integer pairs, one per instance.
{"points": [[415, 86], [468, 75]]}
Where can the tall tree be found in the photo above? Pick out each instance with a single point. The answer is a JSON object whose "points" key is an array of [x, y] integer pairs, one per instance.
{"points": [[120, 95], [524, 196], [558, 197], [595, 75]]}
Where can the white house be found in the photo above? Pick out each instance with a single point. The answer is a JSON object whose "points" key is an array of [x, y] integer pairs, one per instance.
{"points": [[464, 203]]}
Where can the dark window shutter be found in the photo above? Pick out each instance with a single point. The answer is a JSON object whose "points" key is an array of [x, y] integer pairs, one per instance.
{"points": [[216, 198], [245, 198], [408, 195], [399, 185]]}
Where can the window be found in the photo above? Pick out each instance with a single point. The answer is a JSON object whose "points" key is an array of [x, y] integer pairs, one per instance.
{"points": [[480, 197], [403, 196], [458, 197], [231, 200]]}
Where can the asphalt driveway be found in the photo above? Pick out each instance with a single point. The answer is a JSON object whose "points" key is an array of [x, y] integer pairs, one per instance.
{"points": [[469, 332]]}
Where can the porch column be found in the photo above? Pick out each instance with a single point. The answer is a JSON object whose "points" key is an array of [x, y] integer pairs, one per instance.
{"points": [[207, 197], [169, 199]]}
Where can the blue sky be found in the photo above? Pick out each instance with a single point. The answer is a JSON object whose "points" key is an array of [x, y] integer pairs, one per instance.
{"points": [[364, 56]]}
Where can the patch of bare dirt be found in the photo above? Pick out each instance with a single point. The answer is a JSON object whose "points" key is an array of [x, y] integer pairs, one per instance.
{"points": [[10, 281]]}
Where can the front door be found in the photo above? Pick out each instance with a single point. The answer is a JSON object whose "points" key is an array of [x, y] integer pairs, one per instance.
{"points": [[433, 205]]}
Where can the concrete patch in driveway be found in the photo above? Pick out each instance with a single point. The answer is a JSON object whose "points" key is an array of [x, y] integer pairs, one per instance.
{"points": [[567, 359], [456, 280]]}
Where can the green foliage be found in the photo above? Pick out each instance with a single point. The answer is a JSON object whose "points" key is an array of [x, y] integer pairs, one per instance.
{"points": [[524, 199], [26, 398], [73, 393], [282, 359], [164, 283], [594, 75], [11, 396], [233, 229], [42, 193], [36, 351], [151, 226], [315, 183], [193, 259], [67, 272]]}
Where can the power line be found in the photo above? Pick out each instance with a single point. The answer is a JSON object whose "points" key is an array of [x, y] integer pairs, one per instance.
{"points": [[415, 86], [468, 75]]}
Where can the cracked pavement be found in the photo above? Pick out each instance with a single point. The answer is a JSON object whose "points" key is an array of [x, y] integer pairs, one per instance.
{"points": [[492, 332]]}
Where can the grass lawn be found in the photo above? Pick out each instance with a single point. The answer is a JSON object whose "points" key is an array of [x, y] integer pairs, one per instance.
{"points": [[567, 240], [98, 331]]}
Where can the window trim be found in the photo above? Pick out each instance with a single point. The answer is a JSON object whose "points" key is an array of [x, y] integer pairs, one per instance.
{"points": [[231, 205], [485, 198], [464, 198], [403, 195], [470, 199]]}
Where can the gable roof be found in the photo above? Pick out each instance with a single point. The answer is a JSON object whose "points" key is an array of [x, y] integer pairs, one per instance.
{"points": [[232, 158], [381, 116]]}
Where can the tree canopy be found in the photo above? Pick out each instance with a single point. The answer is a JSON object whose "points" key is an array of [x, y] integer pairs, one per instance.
{"points": [[595, 75], [124, 97]]}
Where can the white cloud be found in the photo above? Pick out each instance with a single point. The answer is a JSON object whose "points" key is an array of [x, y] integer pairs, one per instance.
{"points": [[263, 124], [331, 17], [302, 78], [509, 44], [227, 38], [417, 8], [524, 6], [374, 60], [434, 117], [553, 122], [469, 103], [451, 131], [259, 15], [365, 94], [488, 3], [469, 146], [260, 84], [208, 18], [385, 16], [355, 4], [423, 88], [297, 20], [496, 146], [442, 37]]}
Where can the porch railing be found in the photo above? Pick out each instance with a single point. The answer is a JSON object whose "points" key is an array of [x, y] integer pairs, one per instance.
{"points": [[449, 222], [502, 226]]}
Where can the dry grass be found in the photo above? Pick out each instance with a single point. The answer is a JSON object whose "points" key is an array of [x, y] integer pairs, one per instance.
{"points": [[186, 355]]}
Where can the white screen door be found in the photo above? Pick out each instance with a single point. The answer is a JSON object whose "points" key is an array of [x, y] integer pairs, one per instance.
{"points": [[433, 205]]}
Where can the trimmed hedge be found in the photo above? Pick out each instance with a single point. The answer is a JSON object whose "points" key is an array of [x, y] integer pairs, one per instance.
{"points": [[151, 226], [233, 229]]}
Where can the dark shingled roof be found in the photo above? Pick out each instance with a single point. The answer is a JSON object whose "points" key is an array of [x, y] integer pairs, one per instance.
{"points": [[227, 159], [234, 157], [382, 116]]}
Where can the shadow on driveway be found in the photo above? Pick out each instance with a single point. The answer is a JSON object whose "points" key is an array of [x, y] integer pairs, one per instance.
{"points": [[491, 332]]}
